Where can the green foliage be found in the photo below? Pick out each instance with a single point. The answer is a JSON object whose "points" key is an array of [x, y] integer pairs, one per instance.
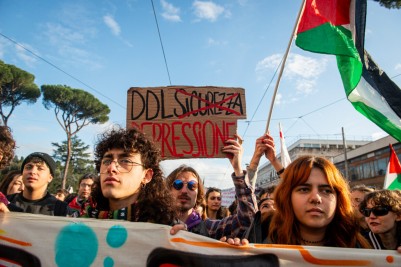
{"points": [[74, 109], [14, 165], [390, 3], [80, 159], [74, 105], [16, 86]]}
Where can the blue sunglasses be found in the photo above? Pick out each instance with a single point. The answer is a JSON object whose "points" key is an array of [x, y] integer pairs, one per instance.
{"points": [[179, 184]]}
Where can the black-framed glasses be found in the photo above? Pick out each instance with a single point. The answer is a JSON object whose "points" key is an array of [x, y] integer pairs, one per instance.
{"points": [[123, 165], [179, 184], [377, 211]]}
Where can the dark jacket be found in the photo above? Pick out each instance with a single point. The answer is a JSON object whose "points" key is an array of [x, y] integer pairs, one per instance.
{"points": [[48, 205], [258, 231]]}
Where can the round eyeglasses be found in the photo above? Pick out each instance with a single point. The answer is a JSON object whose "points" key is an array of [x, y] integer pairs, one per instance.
{"points": [[123, 165], [377, 211], [179, 184]]}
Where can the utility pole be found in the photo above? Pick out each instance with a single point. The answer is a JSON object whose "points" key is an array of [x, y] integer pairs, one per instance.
{"points": [[345, 155]]}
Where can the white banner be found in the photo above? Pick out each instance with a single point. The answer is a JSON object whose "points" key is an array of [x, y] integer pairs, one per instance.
{"points": [[227, 196], [37, 240]]}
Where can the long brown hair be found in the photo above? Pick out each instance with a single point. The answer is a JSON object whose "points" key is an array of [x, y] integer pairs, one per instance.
{"points": [[7, 146], [342, 231], [184, 168], [220, 213]]}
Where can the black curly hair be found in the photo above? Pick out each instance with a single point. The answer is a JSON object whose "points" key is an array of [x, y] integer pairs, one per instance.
{"points": [[154, 200]]}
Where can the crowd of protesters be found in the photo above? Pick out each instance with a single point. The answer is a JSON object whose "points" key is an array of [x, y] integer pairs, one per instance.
{"points": [[312, 205]]}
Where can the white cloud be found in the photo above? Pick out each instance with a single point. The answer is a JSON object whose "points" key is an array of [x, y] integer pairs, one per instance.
{"points": [[243, 2], [305, 86], [208, 10], [268, 63], [25, 56], [112, 25], [60, 35], [170, 12], [76, 55], [397, 67], [213, 42], [3, 47], [115, 29], [305, 67], [296, 65], [278, 99], [304, 70], [71, 44], [378, 135]]}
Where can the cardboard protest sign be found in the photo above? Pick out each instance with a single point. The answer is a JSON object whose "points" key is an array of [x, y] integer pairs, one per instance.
{"points": [[39, 240], [185, 121]]}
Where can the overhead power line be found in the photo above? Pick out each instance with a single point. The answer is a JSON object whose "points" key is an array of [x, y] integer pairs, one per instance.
{"points": [[60, 69], [300, 117], [261, 100], [161, 42]]}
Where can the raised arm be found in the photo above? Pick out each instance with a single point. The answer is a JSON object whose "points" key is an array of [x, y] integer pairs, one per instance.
{"points": [[235, 151], [265, 146], [237, 224]]}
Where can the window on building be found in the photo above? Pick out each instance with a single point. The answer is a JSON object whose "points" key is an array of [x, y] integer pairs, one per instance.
{"points": [[382, 166]]}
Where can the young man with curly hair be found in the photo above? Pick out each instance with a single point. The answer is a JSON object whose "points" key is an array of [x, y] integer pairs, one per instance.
{"points": [[131, 185]]}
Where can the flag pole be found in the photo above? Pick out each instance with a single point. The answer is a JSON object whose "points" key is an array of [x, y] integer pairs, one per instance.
{"points": [[283, 64]]}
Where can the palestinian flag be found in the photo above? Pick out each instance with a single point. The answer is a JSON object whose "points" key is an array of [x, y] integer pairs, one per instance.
{"points": [[393, 176], [338, 27]]}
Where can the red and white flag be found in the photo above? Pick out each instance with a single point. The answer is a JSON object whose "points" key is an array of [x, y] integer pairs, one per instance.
{"points": [[285, 157]]}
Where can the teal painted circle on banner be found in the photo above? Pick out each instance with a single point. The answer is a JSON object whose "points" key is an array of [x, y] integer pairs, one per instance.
{"points": [[116, 236], [76, 246], [108, 262]]}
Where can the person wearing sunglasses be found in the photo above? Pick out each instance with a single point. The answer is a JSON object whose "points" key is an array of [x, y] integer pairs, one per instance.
{"points": [[131, 185], [188, 191], [382, 211], [358, 193]]}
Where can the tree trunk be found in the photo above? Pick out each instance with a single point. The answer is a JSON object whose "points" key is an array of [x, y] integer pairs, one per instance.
{"points": [[67, 162]]}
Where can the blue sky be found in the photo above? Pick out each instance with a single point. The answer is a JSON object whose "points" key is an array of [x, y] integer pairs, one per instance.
{"points": [[106, 47]]}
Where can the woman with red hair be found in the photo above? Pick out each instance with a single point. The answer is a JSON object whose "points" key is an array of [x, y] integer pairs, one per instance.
{"points": [[313, 208]]}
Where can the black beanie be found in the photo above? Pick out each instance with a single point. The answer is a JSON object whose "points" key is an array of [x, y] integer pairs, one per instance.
{"points": [[45, 157]]}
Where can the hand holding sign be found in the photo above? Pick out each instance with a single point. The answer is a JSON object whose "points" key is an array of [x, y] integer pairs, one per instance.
{"points": [[234, 151]]}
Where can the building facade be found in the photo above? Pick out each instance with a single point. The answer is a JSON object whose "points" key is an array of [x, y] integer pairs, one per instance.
{"points": [[368, 164], [366, 161], [329, 149]]}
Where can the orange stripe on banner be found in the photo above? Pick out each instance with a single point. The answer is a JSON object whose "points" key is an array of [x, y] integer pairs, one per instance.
{"points": [[297, 247], [306, 255], [207, 244], [309, 258], [14, 241]]}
